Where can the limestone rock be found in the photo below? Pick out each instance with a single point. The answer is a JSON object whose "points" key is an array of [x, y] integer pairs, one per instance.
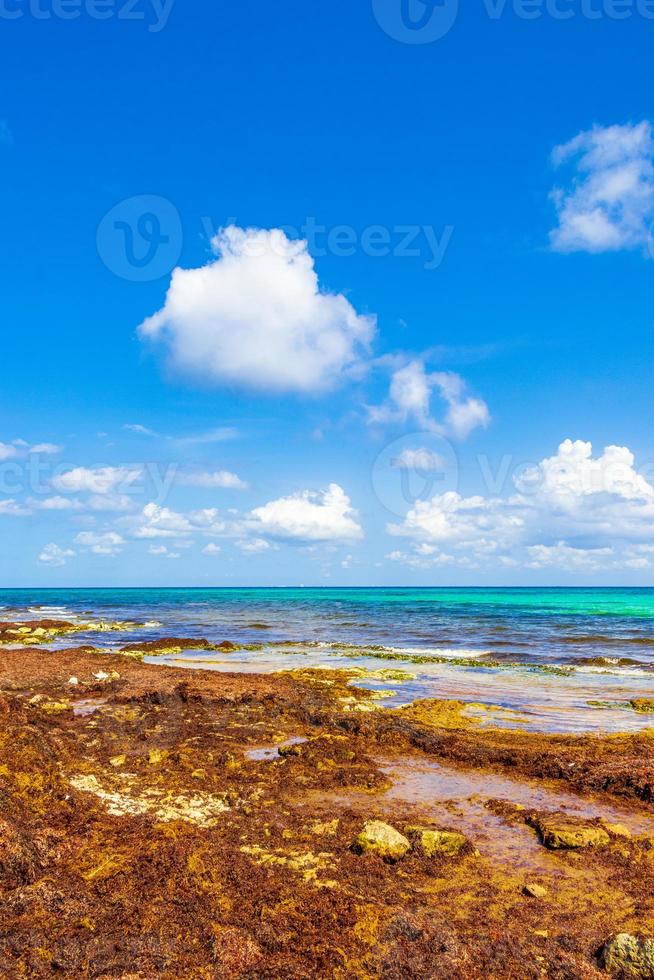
{"points": [[380, 838], [570, 832], [433, 842], [534, 890], [629, 956]]}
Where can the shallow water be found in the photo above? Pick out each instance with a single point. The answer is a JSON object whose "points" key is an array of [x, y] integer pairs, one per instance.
{"points": [[495, 646], [454, 799]]}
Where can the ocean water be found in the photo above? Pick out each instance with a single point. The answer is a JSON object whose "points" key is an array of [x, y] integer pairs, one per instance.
{"points": [[553, 659]]}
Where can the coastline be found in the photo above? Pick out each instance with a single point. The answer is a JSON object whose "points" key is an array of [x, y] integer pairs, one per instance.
{"points": [[188, 823]]}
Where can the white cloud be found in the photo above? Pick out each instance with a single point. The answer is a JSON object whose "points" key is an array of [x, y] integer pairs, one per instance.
{"points": [[211, 549], [6, 135], [12, 508], [571, 510], [256, 317], [253, 546], [155, 521], [46, 448], [161, 522], [140, 430], [53, 554], [107, 544], [219, 479], [419, 460], [309, 516], [110, 502], [464, 414], [18, 448], [449, 517], [410, 396], [609, 203], [101, 480], [573, 473], [424, 557], [221, 434], [161, 551], [564, 556], [54, 503]]}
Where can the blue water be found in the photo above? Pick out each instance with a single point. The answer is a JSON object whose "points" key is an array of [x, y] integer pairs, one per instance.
{"points": [[488, 645]]}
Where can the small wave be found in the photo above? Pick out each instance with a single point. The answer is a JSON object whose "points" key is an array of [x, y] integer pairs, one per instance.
{"points": [[617, 671], [453, 653], [607, 662], [443, 653], [51, 610]]}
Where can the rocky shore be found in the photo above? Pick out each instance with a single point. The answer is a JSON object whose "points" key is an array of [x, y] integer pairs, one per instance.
{"points": [[176, 823]]}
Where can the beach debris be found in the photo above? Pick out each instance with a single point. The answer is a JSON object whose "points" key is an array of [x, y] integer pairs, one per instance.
{"points": [[380, 838], [558, 831], [73, 681], [102, 676], [629, 956]]}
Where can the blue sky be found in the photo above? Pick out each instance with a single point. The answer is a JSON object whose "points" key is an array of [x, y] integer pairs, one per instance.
{"points": [[383, 405]]}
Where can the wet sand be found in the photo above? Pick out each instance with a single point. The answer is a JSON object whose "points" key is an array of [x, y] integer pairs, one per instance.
{"points": [[170, 822]]}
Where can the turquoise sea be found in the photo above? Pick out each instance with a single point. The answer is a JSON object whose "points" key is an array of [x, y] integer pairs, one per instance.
{"points": [[554, 658]]}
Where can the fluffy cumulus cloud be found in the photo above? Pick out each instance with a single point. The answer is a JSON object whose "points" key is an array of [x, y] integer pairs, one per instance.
{"points": [[212, 549], [107, 544], [309, 516], [101, 480], [55, 556], [109, 488], [572, 510], [410, 397], [156, 521], [256, 317], [608, 203]]}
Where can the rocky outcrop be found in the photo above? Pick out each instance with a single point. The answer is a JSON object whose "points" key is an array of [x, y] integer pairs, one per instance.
{"points": [[446, 843], [380, 838], [629, 956], [560, 831]]}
